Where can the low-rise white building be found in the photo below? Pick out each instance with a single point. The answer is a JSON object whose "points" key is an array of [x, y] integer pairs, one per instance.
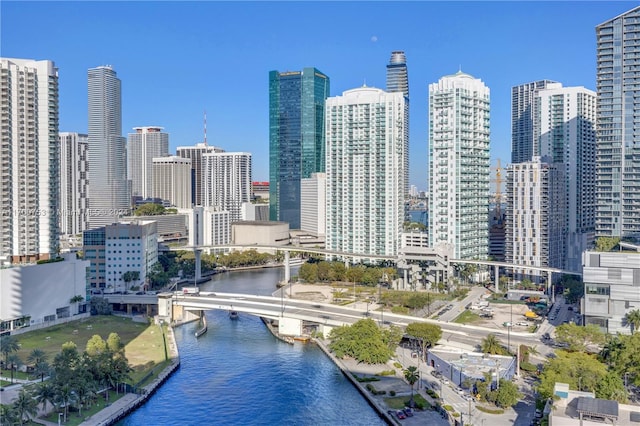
{"points": [[458, 365]]}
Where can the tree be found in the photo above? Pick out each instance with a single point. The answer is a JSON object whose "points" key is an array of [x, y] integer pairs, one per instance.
{"points": [[38, 358], [411, 375], [362, 341], [606, 243], [64, 398], [507, 394], [44, 393], [100, 306], [13, 362], [633, 319], [149, 209], [96, 346], [622, 355], [8, 415], [25, 406], [427, 334], [114, 344], [8, 344], [578, 337], [491, 345]]}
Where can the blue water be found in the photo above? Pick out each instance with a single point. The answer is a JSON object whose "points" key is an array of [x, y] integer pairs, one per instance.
{"points": [[239, 374]]}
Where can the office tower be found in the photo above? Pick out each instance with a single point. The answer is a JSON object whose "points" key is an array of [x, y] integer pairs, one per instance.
{"points": [[109, 190], [567, 136], [313, 204], [226, 180], [194, 153], [143, 146], [618, 127], [74, 182], [535, 219], [398, 81], [524, 137], [365, 136], [459, 168], [29, 160], [296, 138], [172, 180]]}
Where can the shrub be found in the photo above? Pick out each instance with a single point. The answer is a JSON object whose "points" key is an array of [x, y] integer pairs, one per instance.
{"points": [[366, 379], [397, 364], [490, 410], [392, 393], [454, 414], [448, 407], [387, 373], [432, 394], [529, 367]]}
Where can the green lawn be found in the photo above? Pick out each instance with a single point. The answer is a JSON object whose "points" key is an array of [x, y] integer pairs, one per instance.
{"points": [[467, 317], [74, 418]]}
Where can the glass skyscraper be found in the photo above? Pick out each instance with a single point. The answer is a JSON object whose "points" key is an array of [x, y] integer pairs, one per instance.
{"points": [[398, 81], [296, 137], [618, 126]]}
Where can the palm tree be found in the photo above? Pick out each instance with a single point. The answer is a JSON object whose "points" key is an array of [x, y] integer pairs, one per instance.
{"points": [[64, 397], [411, 375], [633, 319], [13, 362], [611, 350], [25, 406], [41, 369], [491, 345], [45, 393], [8, 414], [37, 356], [8, 344]]}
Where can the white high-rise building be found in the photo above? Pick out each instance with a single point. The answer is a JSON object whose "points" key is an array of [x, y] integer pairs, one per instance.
{"points": [[143, 146], [535, 230], [29, 160], [109, 189], [172, 180], [195, 153], [566, 125], [226, 181], [365, 161], [313, 204], [74, 182], [459, 167]]}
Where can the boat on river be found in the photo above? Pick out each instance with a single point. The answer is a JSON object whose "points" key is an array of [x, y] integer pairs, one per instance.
{"points": [[233, 315]]}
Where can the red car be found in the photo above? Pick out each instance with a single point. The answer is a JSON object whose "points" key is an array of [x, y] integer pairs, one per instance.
{"points": [[401, 415]]}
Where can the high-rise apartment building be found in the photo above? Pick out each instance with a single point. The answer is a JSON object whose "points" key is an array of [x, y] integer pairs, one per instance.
{"points": [[227, 181], [74, 182], [29, 160], [109, 189], [172, 180], [566, 125], [398, 81], [296, 138], [313, 204], [195, 153], [618, 126], [143, 146], [459, 167], [524, 136], [365, 136], [535, 223]]}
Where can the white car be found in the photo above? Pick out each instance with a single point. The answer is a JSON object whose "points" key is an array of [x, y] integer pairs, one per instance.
{"points": [[522, 323]]}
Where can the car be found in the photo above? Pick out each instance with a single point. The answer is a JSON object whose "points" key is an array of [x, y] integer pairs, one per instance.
{"points": [[570, 308], [435, 373], [139, 293], [522, 323], [401, 415], [538, 413], [445, 381], [408, 411]]}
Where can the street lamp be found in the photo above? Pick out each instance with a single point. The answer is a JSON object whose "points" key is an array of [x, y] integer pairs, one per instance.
{"points": [[59, 416], [626, 374]]}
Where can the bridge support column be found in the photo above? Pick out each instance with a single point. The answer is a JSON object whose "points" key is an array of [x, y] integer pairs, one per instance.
{"points": [[198, 254], [287, 267], [496, 278], [552, 296]]}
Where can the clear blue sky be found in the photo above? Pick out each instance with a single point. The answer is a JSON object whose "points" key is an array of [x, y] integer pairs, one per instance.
{"points": [[177, 59]]}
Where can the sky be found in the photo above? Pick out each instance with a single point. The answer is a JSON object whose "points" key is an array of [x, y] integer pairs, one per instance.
{"points": [[177, 60]]}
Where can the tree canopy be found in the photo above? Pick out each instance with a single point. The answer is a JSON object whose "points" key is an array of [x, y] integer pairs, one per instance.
{"points": [[149, 209], [364, 341], [427, 334], [578, 337]]}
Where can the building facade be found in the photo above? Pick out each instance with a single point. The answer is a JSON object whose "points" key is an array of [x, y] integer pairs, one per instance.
{"points": [[459, 167], [29, 160], [296, 137], [109, 189], [172, 180], [398, 81], [365, 136], [143, 146], [313, 204], [535, 222], [618, 127], [195, 153], [74, 182], [227, 181], [524, 132]]}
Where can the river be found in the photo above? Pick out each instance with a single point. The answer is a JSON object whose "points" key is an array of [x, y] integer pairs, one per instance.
{"points": [[239, 374]]}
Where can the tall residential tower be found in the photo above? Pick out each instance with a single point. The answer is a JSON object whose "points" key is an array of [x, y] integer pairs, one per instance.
{"points": [[74, 182], [296, 138], [195, 153], [143, 146], [398, 81]]}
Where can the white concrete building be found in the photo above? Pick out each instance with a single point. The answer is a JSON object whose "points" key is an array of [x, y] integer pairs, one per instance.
{"points": [[109, 189], [74, 182], [459, 167], [251, 211], [37, 294], [172, 180], [195, 153], [143, 146], [313, 204], [208, 226], [535, 231], [227, 181], [365, 167], [29, 160]]}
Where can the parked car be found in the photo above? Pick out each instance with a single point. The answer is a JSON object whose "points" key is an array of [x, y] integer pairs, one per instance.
{"points": [[408, 411], [401, 415], [538, 413], [522, 323]]}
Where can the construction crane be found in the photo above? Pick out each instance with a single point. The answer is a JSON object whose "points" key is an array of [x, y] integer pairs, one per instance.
{"points": [[497, 198]]}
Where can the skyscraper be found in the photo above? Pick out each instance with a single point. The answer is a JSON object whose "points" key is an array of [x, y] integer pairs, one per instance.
{"points": [[74, 182], [195, 153], [459, 168], [226, 178], [618, 127], [296, 137], [172, 180], [398, 81], [524, 137], [144, 145], [109, 189], [365, 136], [29, 160]]}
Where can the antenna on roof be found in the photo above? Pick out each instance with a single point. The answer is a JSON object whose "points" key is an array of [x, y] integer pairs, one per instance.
{"points": [[205, 127]]}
